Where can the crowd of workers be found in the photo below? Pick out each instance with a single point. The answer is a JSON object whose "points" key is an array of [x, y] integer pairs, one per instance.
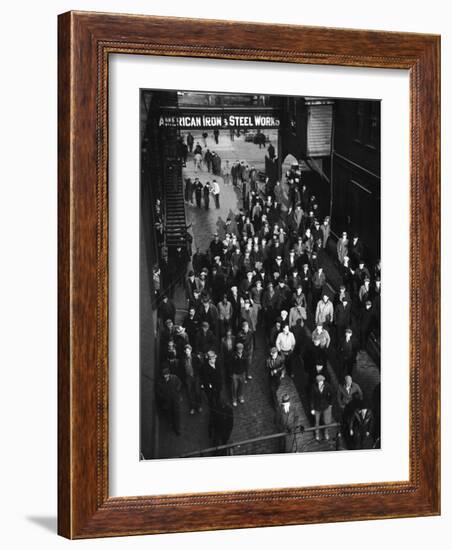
{"points": [[266, 272]]}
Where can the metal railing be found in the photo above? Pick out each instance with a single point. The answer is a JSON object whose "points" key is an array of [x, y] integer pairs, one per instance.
{"points": [[297, 430]]}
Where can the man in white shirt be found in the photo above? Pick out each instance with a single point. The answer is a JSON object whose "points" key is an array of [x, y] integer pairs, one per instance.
{"points": [[216, 193], [285, 344]]}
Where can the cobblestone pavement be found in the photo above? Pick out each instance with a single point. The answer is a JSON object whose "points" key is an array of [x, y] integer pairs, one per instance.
{"points": [[193, 436], [256, 417]]}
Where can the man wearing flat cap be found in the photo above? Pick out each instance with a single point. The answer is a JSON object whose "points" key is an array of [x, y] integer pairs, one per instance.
{"points": [[238, 365], [180, 338], [211, 378], [215, 247], [191, 366], [287, 421], [361, 426], [276, 368], [367, 323], [166, 334], [208, 312], [321, 404]]}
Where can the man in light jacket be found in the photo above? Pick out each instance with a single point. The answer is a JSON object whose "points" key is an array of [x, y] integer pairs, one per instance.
{"points": [[325, 311]]}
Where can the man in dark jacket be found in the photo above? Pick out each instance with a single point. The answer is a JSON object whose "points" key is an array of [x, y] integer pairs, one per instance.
{"points": [[366, 325], [215, 247], [287, 420], [188, 196], [349, 394], [245, 336], [208, 160], [168, 398], [355, 250], [321, 404], [362, 427], [206, 195], [190, 325], [276, 369], [212, 379], [205, 339], [199, 261], [208, 312], [271, 151], [235, 170], [191, 365], [190, 141], [346, 354], [198, 192], [342, 318]]}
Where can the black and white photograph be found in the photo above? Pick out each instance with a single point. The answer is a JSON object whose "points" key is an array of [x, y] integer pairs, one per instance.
{"points": [[260, 274]]}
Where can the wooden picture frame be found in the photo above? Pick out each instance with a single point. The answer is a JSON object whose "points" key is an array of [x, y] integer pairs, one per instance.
{"points": [[85, 42]]}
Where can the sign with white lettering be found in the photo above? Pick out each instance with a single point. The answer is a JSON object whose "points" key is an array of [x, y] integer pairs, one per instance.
{"points": [[218, 121]]}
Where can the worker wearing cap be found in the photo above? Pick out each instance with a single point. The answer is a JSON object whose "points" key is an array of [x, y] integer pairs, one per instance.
{"points": [[367, 323], [321, 335], [364, 291], [276, 368], [208, 312], [324, 313], [321, 404], [191, 366], [245, 336], [211, 378], [346, 353], [287, 420], [180, 338], [361, 426], [215, 247], [238, 365]]}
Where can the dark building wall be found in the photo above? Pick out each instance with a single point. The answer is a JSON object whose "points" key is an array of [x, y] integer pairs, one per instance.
{"points": [[148, 259], [150, 191], [357, 132], [356, 173]]}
